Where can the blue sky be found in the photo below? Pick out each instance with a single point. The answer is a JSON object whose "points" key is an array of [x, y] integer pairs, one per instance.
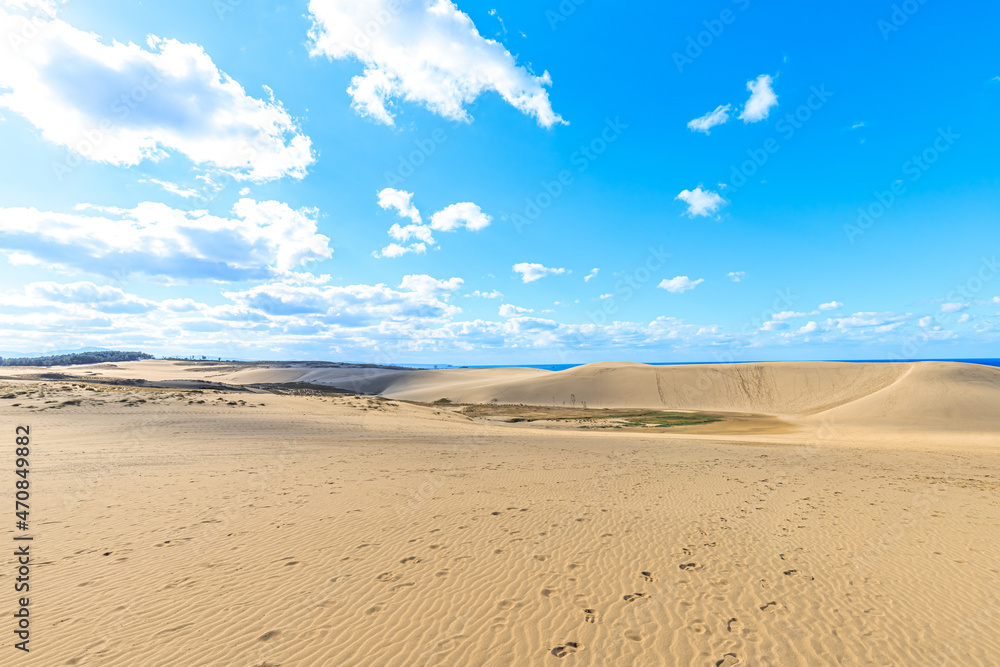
{"points": [[252, 180]]}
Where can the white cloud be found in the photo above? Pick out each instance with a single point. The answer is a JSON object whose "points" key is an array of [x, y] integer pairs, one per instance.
{"points": [[787, 315], [401, 201], [964, 317], [122, 103], [396, 250], [401, 233], [592, 274], [495, 294], [810, 327], [508, 310], [857, 126], [737, 276], [925, 322], [88, 295], [456, 216], [606, 296], [419, 297], [710, 120], [701, 202], [154, 240], [449, 219], [427, 286], [423, 51], [953, 307], [532, 272], [833, 305], [680, 284], [762, 99]]}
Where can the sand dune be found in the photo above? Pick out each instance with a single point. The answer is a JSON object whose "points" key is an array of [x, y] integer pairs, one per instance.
{"points": [[179, 527], [822, 397], [924, 396]]}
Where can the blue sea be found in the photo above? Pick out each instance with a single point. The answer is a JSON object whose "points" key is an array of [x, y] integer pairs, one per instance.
{"points": [[563, 367]]}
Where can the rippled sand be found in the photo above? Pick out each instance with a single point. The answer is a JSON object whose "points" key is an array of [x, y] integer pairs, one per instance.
{"points": [[340, 530]]}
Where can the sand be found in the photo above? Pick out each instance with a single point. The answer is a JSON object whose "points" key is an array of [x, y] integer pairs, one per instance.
{"points": [[260, 529]]}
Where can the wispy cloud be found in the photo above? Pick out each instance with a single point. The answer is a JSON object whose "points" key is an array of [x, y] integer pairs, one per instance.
{"points": [[172, 188], [494, 294], [710, 120]]}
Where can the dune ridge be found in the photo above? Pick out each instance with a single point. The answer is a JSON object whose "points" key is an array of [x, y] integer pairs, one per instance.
{"points": [[936, 396], [822, 397]]}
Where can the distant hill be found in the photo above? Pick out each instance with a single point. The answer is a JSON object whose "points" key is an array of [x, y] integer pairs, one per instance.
{"points": [[74, 358]]}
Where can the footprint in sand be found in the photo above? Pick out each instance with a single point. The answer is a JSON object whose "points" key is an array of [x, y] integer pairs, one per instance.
{"points": [[648, 576], [632, 597], [734, 625], [770, 606], [591, 615], [549, 592], [690, 566], [386, 577], [567, 649], [410, 559], [729, 660], [796, 573]]}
